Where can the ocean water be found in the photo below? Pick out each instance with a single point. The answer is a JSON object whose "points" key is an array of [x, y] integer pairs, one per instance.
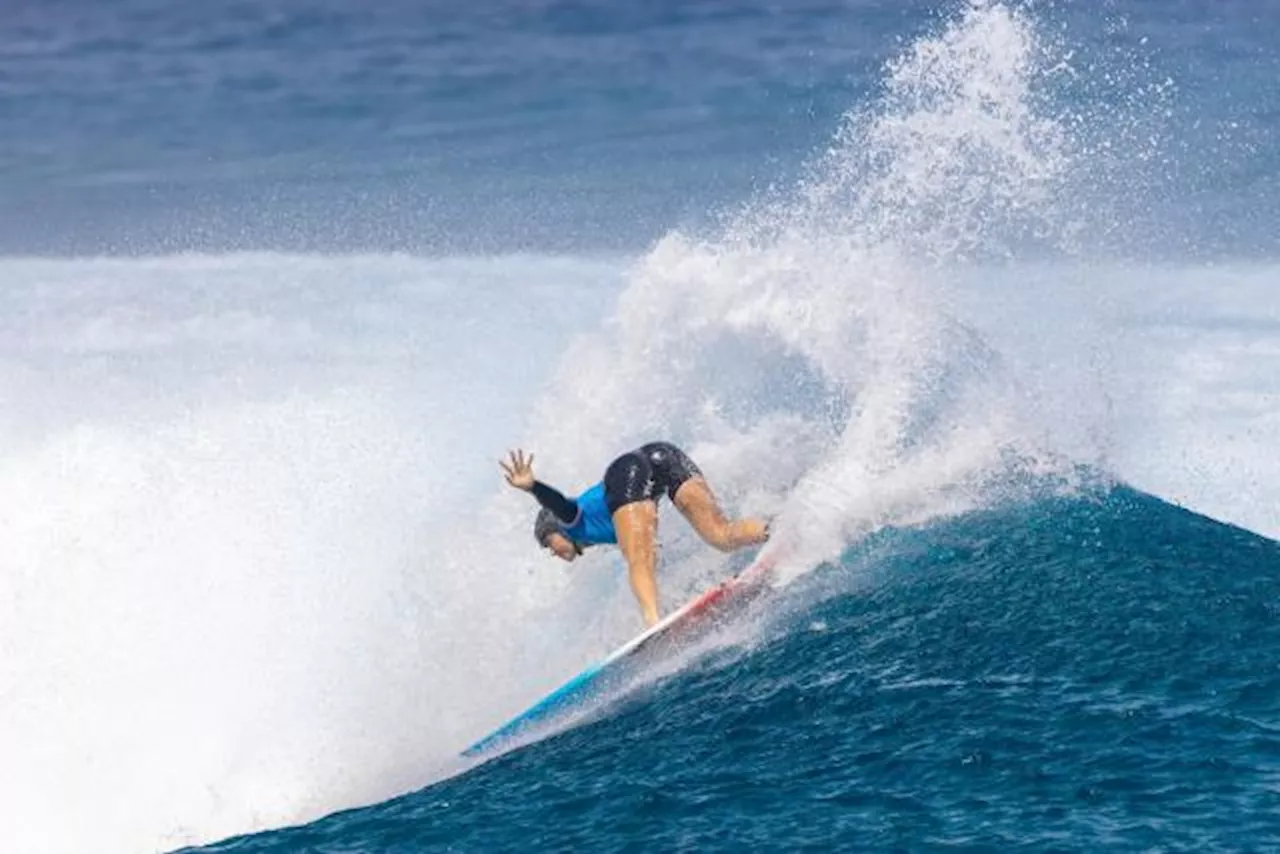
{"points": [[981, 301]]}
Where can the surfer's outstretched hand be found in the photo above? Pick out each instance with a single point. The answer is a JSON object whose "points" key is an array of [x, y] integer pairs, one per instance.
{"points": [[519, 470]]}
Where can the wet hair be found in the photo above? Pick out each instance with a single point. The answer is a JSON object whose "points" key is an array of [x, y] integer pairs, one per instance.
{"points": [[544, 525]]}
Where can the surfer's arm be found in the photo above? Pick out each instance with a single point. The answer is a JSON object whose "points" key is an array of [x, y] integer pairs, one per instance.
{"points": [[565, 509], [519, 471]]}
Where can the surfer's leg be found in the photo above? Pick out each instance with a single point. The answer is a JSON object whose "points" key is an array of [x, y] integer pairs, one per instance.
{"points": [[698, 504], [630, 492], [680, 478], [636, 524]]}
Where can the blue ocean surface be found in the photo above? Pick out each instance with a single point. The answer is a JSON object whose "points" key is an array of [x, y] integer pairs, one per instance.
{"points": [[318, 125], [978, 301]]}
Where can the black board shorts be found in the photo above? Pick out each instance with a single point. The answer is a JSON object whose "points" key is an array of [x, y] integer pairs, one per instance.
{"points": [[646, 473]]}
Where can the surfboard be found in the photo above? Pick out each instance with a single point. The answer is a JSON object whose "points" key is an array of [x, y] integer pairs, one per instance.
{"points": [[679, 626]]}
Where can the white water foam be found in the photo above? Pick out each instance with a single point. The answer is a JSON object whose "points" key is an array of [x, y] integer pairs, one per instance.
{"points": [[228, 589]]}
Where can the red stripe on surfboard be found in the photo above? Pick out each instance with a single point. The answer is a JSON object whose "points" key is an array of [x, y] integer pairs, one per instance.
{"points": [[747, 579], [708, 598]]}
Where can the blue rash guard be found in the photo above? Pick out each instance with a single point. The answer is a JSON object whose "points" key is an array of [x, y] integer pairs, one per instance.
{"points": [[594, 523], [586, 519]]}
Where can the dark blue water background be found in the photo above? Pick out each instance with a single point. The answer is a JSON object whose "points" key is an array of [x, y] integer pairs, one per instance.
{"points": [[311, 124]]}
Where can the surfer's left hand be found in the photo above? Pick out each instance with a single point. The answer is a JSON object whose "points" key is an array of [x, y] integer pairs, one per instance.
{"points": [[520, 470]]}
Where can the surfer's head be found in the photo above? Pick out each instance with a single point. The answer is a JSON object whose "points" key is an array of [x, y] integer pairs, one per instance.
{"points": [[550, 535]]}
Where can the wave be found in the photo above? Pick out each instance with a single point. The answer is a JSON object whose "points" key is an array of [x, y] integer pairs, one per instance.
{"points": [[934, 684]]}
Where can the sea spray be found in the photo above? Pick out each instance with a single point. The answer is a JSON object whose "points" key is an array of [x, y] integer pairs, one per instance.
{"points": [[894, 410]]}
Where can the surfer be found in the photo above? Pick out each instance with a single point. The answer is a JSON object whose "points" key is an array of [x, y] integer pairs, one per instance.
{"points": [[623, 509]]}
